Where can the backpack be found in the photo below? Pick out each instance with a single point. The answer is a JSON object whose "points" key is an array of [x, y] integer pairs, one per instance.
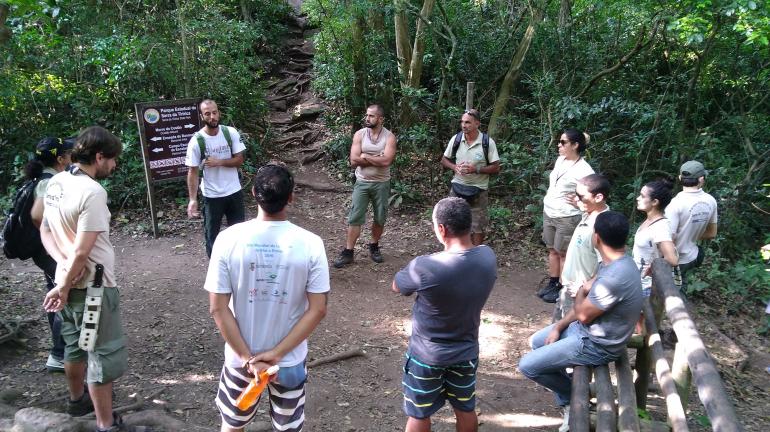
{"points": [[484, 145], [21, 238], [202, 143]]}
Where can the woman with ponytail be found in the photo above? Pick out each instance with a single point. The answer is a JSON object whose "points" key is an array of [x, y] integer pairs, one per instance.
{"points": [[653, 238], [560, 213], [52, 156]]}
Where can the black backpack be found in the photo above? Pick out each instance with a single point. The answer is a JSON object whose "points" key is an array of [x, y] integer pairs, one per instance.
{"points": [[484, 146], [21, 239]]}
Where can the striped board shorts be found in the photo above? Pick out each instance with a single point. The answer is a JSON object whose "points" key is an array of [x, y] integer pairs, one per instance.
{"points": [[427, 387], [287, 398]]}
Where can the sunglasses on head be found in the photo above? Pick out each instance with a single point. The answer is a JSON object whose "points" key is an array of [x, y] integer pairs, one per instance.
{"points": [[473, 113]]}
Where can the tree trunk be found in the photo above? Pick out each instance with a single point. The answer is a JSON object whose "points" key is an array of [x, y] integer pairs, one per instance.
{"points": [[5, 32], [383, 90], [501, 102], [358, 102], [403, 47], [246, 11], [415, 67], [185, 51]]}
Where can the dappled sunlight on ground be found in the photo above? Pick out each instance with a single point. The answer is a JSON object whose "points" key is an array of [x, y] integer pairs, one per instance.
{"points": [[494, 338], [191, 378], [517, 420]]}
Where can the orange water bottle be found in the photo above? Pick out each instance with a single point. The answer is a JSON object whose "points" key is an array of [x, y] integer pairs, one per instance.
{"points": [[249, 397]]}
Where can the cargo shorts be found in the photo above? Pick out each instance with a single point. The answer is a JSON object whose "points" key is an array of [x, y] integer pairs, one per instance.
{"points": [[109, 359]]}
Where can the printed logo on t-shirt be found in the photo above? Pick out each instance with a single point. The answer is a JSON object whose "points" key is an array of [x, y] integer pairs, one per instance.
{"points": [[700, 212], [266, 274], [53, 195]]}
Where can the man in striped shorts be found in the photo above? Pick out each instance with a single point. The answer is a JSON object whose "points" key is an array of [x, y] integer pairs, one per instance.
{"points": [[268, 281], [452, 287]]}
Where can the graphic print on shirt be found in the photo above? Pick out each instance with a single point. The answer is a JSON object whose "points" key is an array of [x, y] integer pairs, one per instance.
{"points": [[266, 274]]}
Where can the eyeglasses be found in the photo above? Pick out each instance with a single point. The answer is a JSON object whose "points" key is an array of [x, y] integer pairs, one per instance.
{"points": [[563, 142], [473, 113]]}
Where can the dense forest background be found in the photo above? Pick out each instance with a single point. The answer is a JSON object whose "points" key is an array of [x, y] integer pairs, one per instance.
{"points": [[655, 83]]}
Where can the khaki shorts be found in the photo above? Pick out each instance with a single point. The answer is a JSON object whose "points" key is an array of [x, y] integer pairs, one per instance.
{"points": [[557, 232], [378, 194], [109, 359], [479, 214]]}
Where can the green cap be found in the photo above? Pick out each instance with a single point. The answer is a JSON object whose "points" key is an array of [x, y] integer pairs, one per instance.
{"points": [[692, 170]]}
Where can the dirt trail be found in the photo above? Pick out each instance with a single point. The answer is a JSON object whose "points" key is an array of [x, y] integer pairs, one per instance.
{"points": [[175, 346]]}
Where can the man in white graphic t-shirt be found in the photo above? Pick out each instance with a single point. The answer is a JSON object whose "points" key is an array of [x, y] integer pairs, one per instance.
{"points": [[217, 152], [692, 215], [268, 281]]}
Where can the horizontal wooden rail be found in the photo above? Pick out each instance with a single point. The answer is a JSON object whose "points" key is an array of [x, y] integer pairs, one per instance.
{"points": [[711, 390]]}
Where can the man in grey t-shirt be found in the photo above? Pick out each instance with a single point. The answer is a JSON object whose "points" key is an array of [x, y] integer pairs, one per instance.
{"points": [[606, 310], [452, 287]]}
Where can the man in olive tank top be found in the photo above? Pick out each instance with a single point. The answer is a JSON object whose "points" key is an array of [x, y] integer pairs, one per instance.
{"points": [[371, 153]]}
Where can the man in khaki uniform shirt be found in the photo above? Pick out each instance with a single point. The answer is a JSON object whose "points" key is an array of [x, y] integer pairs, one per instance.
{"points": [[76, 233], [472, 171]]}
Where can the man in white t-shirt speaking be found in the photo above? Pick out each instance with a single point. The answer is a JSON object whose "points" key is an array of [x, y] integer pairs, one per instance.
{"points": [[268, 282], [692, 215], [217, 151]]}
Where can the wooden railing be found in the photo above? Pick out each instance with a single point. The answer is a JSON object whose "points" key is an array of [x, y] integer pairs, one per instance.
{"points": [[691, 360]]}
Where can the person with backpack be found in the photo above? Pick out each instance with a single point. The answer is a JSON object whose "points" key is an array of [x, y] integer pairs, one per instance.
{"points": [[22, 231], [216, 152], [472, 155]]}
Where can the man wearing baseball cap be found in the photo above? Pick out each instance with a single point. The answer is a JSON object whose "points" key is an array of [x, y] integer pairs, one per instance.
{"points": [[692, 215]]}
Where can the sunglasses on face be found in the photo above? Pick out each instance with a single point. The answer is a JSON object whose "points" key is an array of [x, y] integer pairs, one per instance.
{"points": [[563, 142]]}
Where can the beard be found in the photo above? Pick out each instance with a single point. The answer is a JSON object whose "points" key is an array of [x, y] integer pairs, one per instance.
{"points": [[211, 123]]}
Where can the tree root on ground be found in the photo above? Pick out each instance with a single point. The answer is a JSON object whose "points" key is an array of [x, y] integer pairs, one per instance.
{"points": [[354, 352]]}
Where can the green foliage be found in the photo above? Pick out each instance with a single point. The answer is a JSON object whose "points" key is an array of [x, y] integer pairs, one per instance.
{"points": [[71, 64]]}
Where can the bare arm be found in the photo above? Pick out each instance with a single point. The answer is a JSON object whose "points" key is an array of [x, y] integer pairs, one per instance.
{"points": [[36, 212], [315, 312], [585, 311], [387, 156], [668, 250], [710, 233], [234, 162], [492, 168], [192, 192], [74, 266], [50, 245], [225, 321], [356, 159]]}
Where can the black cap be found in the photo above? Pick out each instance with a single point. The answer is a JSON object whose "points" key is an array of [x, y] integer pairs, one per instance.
{"points": [[54, 146]]}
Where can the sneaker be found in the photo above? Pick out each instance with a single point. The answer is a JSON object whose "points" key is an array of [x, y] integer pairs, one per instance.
{"points": [[81, 407], [552, 295], [118, 426], [345, 258], [374, 252], [565, 424], [54, 364]]}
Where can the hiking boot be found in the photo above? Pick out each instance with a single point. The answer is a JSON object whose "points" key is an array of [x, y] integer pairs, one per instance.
{"points": [[54, 364], [374, 252], [81, 407], [345, 258], [552, 294], [544, 288]]}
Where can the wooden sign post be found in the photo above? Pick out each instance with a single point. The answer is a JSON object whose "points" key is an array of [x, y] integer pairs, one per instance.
{"points": [[165, 128]]}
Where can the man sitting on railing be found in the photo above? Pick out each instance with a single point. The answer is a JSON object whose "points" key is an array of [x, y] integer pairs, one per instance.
{"points": [[602, 320]]}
